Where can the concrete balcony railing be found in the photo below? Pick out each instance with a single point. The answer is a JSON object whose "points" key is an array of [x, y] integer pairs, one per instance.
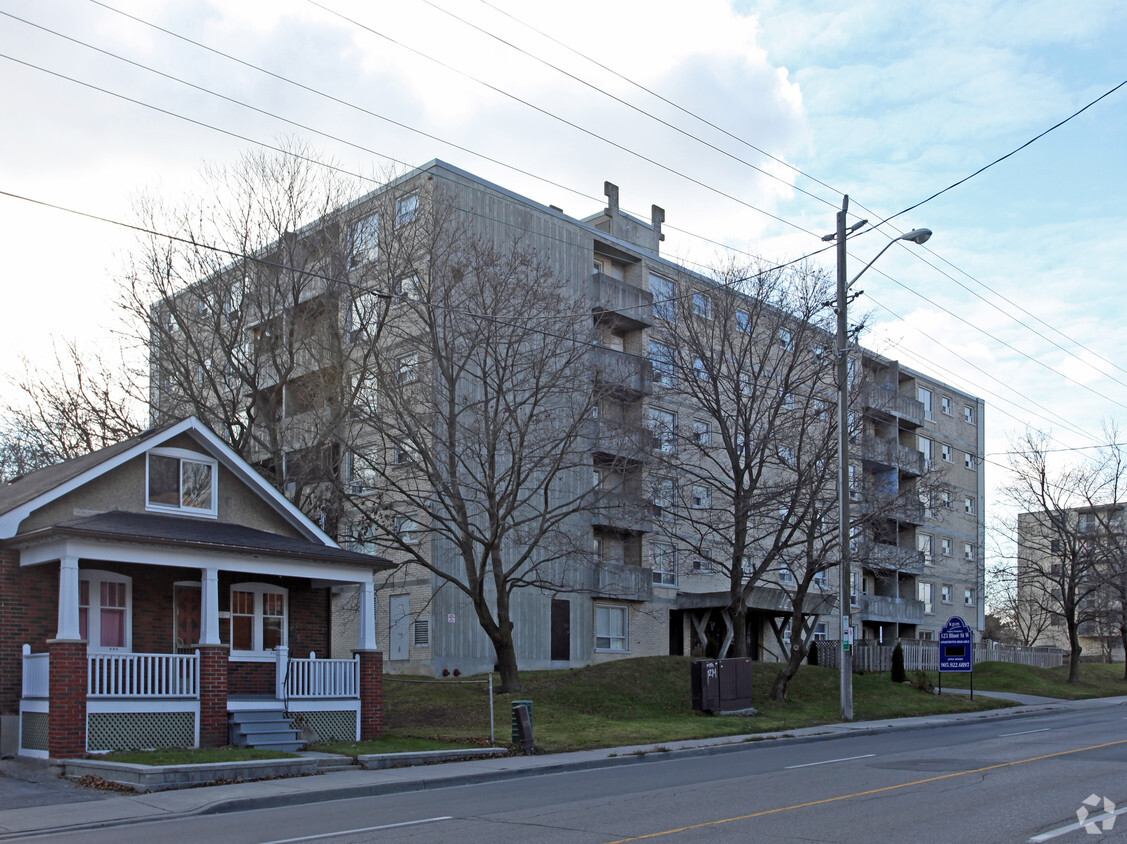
{"points": [[624, 373], [877, 555], [890, 609], [622, 582], [619, 439], [621, 511], [630, 306], [889, 402], [891, 453]]}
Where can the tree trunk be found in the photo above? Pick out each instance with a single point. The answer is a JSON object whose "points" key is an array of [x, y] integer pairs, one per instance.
{"points": [[782, 679], [1074, 650], [507, 661], [738, 617], [1123, 639]]}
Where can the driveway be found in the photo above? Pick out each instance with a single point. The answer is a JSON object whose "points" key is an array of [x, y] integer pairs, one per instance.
{"points": [[25, 783]]}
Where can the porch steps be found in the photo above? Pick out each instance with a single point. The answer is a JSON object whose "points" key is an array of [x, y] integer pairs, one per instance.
{"points": [[267, 728]]}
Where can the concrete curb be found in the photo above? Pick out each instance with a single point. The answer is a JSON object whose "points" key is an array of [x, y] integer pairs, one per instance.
{"points": [[380, 761], [146, 778]]}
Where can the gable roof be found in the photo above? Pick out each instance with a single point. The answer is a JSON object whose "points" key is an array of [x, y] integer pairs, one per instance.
{"points": [[22, 496]]}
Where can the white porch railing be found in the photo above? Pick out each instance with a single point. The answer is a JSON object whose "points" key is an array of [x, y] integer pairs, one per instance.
{"points": [[36, 674], [143, 675], [322, 678]]}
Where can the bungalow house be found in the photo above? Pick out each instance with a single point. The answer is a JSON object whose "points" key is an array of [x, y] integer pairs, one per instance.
{"points": [[157, 591]]}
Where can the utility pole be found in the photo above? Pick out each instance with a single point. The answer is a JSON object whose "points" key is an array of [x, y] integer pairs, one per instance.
{"points": [[843, 526]]}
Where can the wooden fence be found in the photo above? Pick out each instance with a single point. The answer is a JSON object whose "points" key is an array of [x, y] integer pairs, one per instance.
{"points": [[920, 654]]}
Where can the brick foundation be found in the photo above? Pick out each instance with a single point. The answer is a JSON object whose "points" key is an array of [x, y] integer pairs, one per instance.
{"points": [[66, 737], [371, 694], [213, 695]]}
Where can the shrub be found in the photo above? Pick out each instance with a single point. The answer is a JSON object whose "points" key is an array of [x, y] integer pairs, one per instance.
{"points": [[898, 675]]}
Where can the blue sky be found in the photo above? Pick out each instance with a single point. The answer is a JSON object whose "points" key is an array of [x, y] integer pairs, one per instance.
{"points": [[887, 101]]}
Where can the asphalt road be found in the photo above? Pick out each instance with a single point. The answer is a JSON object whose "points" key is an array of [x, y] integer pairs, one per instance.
{"points": [[1012, 780]]}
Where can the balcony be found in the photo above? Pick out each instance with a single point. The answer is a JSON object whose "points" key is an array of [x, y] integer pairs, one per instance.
{"points": [[889, 609], [891, 453], [625, 305], [631, 442], [630, 376], [886, 401], [621, 511], [621, 582], [877, 555]]}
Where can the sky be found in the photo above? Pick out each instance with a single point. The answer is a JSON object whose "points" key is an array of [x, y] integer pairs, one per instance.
{"points": [[745, 121]]}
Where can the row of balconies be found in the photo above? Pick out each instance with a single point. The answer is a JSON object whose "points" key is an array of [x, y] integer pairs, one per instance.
{"points": [[910, 461], [882, 608], [886, 401]]}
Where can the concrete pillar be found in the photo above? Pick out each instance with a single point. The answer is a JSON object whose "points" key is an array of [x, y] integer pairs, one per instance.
{"points": [[213, 695], [209, 607], [371, 693], [68, 602], [66, 724]]}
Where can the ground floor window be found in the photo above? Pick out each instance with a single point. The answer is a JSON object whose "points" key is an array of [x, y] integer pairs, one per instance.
{"points": [[258, 619], [611, 627]]}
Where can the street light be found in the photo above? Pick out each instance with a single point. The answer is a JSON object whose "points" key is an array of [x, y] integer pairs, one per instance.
{"points": [[914, 236]]}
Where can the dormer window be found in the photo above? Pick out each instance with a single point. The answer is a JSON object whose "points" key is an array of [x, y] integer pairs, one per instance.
{"points": [[180, 481]]}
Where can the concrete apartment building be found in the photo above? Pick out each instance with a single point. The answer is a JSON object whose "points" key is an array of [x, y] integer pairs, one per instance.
{"points": [[632, 587]]}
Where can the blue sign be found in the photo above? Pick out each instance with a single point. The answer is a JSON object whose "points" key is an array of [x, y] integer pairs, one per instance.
{"points": [[956, 646]]}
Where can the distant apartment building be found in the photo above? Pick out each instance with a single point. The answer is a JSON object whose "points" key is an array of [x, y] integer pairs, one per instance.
{"points": [[639, 581]]}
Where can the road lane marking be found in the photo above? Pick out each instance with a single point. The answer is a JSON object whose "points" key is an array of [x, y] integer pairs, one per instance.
{"points": [[1073, 827], [939, 778], [1026, 732], [352, 831], [830, 761]]}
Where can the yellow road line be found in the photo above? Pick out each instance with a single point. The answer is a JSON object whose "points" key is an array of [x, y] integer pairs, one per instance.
{"points": [[864, 793]]}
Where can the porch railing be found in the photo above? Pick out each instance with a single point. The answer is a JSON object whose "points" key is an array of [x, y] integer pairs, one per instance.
{"points": [[323, 678], [143, 675], [36, 674]]}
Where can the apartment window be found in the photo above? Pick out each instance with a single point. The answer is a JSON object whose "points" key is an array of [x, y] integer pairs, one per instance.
{"points": [[968, 413], [969, 506], [105, 609], [610, 628], [945, 593], [407, 529], [663, 561], [946, 406], [946, 547], [362, 475], [702, 566], [702, 305], [363, 315], [700, 369], [747, 383], [702, 433], [968, 597], [925, 400], [702, 497], [783, 574], [406, 209], [853, 589], [947, 453], [923, 543], [968, 550], [662, 359], [664, 493], [258, 619], [421, 630], [365, 240], [181, 481], [926, 593], [786, 339], [407, 368], [925, 635], [743, 321], [407, 289], [947, 500], [924, 445], [787, 456], [405, 452], [665, 297], [663, 425], [968, 460], [821, 631]]}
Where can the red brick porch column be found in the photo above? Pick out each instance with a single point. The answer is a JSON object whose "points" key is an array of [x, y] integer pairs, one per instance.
{"points": [[66, 724], [213, 694], [371, 694]]}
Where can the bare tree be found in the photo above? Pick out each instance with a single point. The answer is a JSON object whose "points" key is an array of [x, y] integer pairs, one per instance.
{"points": [[83, 403], [1021, 622], [478, 428]]}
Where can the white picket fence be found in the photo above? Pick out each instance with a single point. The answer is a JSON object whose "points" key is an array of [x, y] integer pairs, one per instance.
{"points": [[36, 674], [323, 678], [143, 675], [923, 655]]}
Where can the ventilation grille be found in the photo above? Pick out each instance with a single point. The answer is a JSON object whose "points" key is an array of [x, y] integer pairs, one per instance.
{"points": [[135, 730], [33, 730], [337, 725]]}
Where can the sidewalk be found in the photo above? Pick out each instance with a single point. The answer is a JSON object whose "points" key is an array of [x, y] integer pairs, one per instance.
{"points": [[76, 809]]}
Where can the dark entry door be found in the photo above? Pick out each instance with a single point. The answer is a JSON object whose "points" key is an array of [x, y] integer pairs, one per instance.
{"points": [[561, 629]]}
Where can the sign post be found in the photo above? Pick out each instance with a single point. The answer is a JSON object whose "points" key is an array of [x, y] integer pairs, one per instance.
{"points": [[956, 650]]}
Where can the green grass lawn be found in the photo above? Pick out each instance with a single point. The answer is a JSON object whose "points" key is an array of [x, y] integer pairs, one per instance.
{"points": [[643, 701], [1096, 680], [192, 756]]}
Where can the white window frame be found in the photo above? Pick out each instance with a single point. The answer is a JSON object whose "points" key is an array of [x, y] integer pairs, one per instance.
{"points": [[406, 209], [947, 452], [365, 240], [743, 322], [947, 406], [257, 653], [970, 599], [702, 305], [95, 578], [968, 414], [925, 544], [927, 399], [821, 631], [702, 497], [700, 369], [969, 551], [946, 547], [407, 368], [362, 476], [702, 433], [969, 461], [408, 529], [664, 292], [184, 456], [664, 492], [663, 426], [614, 642], [663, 564], [947, 593], [786, 339], [926, 594], [970, 507], [662, 361]]}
